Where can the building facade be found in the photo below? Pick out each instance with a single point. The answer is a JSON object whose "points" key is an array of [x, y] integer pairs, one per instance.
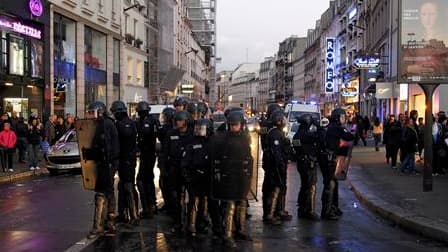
{"points": [[266, 80], [284, 70], [87, 54], [223, 82], [244, 82], [24, 50], [312, 65], [298, 64]]}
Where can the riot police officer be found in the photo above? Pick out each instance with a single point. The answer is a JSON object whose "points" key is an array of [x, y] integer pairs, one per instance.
{"points": [[333, 136], [307, 149], [147, 128], [180, 103], [265, 126], [196, 164], [174, 147], [127, 135], [105, 151], [278, 151], [166, 125], [232, 173]]}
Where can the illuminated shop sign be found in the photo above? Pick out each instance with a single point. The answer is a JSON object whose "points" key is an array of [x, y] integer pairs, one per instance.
{"points": [[367, 62], [18, 27], [329, 65], [36, 7]]}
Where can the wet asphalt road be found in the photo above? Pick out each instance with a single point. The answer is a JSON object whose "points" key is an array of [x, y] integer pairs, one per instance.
{"points": [[53, 213]]}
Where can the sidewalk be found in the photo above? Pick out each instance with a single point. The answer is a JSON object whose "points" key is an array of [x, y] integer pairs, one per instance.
{"points": [[397, 197], [21, 170]]}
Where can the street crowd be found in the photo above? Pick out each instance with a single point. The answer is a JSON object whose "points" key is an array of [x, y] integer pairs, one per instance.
{"points": [[205, 171], [29, 138]]}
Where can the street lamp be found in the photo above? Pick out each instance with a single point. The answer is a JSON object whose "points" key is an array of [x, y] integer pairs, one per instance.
{"points": [[136, 5]]}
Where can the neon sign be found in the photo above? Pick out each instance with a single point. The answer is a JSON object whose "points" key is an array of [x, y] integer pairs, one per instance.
{"points": [[367, 62], [36, 7], [18, 27], [329, 65]]}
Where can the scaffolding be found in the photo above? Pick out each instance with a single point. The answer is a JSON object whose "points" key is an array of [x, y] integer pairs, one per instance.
{"points": [[202, 15]]}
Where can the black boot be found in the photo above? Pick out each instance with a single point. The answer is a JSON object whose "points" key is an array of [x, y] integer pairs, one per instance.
{"points": [[241, 212], [311, 204], [270, 218]]}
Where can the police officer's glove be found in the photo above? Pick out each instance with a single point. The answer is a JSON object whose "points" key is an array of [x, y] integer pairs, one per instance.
{"points": [[89, 154]]}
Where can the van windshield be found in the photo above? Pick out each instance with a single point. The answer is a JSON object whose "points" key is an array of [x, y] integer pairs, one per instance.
{"points": [[293, 115]]}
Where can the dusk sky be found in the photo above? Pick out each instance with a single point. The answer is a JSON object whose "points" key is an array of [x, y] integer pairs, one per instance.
{"points": [[257, 27]]}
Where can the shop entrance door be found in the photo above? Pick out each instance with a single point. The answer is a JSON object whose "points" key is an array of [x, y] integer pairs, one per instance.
{"points": [[19, 105]]}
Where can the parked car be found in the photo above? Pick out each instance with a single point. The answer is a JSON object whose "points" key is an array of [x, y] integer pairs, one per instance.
{"points": [[64, 154]]}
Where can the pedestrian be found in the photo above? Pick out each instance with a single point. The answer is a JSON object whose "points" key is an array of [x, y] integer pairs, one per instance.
{"points": [[377, 131], [392, 130], [421, 138], [50, 130], [7, 144], [409, 147], [307, 149], [59, 127], [22, 140], [69, 122], [127, 136], [14, 120], [441, 147], [34, 144], [336, 132], [232, 161], [105, 152], [147, 130]]}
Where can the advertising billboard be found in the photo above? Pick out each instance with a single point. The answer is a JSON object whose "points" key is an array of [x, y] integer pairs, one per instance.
{"points": [[424, 41]]}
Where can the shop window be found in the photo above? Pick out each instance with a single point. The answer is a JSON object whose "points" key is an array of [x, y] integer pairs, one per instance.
{"points": [[64, 89], [16, 55], [3, 52], [139, 69]]}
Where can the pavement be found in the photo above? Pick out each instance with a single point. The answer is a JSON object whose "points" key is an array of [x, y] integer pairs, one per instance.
{"points": [[21, 171], [398, 197]]}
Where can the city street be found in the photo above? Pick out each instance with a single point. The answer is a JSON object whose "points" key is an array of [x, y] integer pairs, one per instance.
{"points": [[54, 213]]}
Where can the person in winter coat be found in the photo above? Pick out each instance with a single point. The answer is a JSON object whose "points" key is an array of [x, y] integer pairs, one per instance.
{"points": [[7, 142], [392, 137], [34, 140], [409, 147], [377, 131], [22, 141]]}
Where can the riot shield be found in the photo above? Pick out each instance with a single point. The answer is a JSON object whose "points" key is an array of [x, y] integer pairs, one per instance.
{"points": [[231, 179], [85, 130], [255, 152], [343, 162]]}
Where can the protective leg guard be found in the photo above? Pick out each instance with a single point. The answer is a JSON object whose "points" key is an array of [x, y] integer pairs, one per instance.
{"points": [[130, 203], [228, 221], [271, 219], [311, 204], [241, 212], [327, 198], [98, 218], [193, 214], [283, 214]]}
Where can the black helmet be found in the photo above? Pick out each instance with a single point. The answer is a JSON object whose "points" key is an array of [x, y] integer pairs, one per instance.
{"points": [[235, 117], [202, 108], [277, 117], [191, 108], [336, 114], [305, 119], [180, 101], [232, 109], [272, 108], [181, 115], [97, 106], [167, 115], [118, 107], [143, 106]]}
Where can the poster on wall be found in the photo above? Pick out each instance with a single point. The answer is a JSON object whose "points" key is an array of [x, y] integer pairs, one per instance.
{"points": [[424, 41], [37, 66], [16, 55]]}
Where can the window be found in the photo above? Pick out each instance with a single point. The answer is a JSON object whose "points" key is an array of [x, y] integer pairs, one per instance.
{"points": [[95, 65], [139, 71], [3, 52], [135, 28], [130, 69], [16, 55], [116, 72]]}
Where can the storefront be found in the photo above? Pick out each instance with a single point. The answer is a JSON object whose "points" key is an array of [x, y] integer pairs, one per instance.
{"points": [[350, 95], [24, 49], [134, 95]]}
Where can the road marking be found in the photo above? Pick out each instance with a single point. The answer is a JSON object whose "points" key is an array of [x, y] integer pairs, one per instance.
{"points": [[80, 245]]}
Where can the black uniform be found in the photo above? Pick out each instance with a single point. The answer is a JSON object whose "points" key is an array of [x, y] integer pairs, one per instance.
{"points": [[174, 147], [127, 134], [307, 149], [147, 129], [334, 134]]}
